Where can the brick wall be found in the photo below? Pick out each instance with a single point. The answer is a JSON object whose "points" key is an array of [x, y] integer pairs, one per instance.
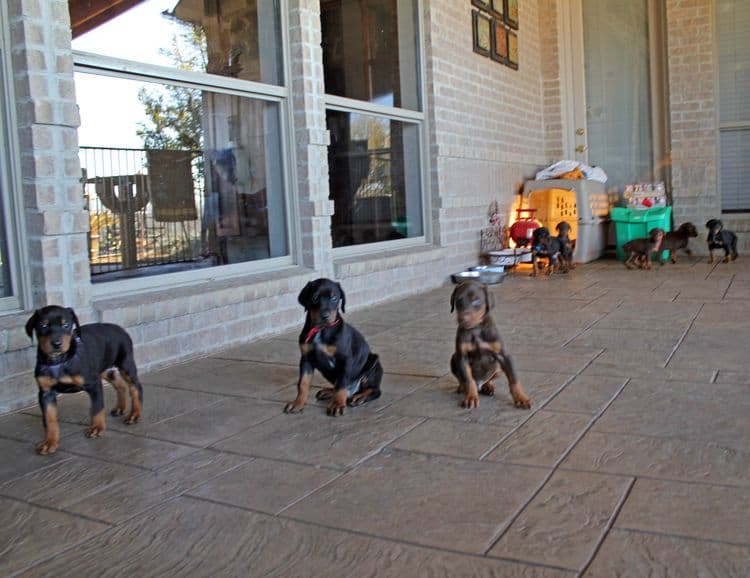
{"points": [[55, 222], [694, 117], [487, 135], [487, 122]]}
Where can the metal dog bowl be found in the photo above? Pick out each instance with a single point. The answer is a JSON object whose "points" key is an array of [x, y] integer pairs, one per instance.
{"points": [[487, 274]]}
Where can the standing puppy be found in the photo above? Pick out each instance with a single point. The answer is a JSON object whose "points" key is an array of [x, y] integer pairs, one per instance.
{"points": [[72, 358], [678, 239], [566, 245], [721, 238], [479, 355], [336, 349], [638, 251]]}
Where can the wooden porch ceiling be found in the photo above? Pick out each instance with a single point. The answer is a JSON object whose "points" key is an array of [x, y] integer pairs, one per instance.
{"points": [[86, 15]]}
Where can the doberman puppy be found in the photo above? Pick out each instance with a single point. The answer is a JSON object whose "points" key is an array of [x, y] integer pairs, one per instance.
{"points": [[638, 251], [676, 240], [544, 245], [479, 355], [336, 349], [721, 238], [566, 245], [70, 358]]}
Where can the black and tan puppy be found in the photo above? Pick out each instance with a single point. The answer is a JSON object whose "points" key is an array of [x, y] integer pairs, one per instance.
{"points": [[545, 247], [71, 358], [336, 349], [479, 355], [566, 245], [721, 238], [676, 240], [638, 252]]}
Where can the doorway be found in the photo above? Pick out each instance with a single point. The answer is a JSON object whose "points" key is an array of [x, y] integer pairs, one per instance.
{"points": [[614, 88]]}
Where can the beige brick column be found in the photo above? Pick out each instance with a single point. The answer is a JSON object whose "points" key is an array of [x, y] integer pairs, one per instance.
{"points": [[693, 111], [56, 222], [311, 134]]}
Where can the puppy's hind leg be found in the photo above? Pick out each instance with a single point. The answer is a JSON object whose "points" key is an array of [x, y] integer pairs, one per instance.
{"points": [[520, 399], [369, 385]]}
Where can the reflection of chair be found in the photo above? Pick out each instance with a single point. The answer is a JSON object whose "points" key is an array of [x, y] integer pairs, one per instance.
{"points": [[124, 195], [170, 179]]}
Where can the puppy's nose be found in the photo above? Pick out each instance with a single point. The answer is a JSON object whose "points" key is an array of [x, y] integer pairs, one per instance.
{"points": [[57, 343], [326, 315]]}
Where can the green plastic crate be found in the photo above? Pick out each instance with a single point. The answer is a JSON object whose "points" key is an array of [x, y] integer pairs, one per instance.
{"points": [[636, 223]]}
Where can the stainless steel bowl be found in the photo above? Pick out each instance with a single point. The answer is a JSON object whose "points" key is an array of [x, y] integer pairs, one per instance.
{"points": [[486, 274]]}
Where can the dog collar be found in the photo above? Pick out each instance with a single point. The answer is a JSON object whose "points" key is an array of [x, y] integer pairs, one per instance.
{"points": [[66, 360], [315, 330]]}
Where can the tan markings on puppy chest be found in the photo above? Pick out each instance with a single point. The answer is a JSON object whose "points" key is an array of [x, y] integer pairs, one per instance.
{"points": [[71, 380], [45, 382]]}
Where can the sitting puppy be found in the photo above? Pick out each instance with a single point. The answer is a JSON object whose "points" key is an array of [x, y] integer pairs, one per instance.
{"points": [[566, 245], [71, 358], [479, 355], [545, 246], [336, 349], [675, 240], [721, 238], [638, 251]]}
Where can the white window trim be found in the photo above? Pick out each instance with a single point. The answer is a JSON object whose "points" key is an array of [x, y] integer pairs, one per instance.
{"points": [[91, 63], [419, 117], [13, 225]]}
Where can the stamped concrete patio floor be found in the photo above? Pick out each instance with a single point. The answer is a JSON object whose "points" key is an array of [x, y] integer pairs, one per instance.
{"points": [[634, 460]]}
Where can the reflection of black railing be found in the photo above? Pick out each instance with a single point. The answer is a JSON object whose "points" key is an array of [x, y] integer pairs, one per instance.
{"points": [[144, 206]]}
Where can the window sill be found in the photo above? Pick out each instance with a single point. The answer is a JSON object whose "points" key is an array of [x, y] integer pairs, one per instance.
{"points": [[355, 266]]}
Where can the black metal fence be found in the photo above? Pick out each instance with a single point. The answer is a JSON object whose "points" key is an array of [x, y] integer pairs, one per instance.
{"points": [[145, 210]]}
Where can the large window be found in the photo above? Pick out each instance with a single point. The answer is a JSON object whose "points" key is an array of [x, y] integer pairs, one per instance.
{"points": [[181, 135], [372, 79], [10, 245], [733, 20]]}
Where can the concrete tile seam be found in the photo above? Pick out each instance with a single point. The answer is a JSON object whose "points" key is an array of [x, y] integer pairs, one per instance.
{"points": [[683, 336], [511, 519], [379, 537], [538, 408], [584, 330], [680, 536], [641, 477], [608, 526], [58, 511]]}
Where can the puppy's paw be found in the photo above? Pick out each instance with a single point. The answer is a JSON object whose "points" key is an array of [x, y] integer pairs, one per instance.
{"points": [[94, 431], [117, 411], [470, 401], [487, 389], [338, 404], [46, 447], [131, 419], [520, 399], [296, 406], [324, 394]]}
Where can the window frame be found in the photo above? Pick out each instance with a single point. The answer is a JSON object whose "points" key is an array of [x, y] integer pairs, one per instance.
{"points": [[11, 185], [97, 64], [405, 115], [724, 127]]}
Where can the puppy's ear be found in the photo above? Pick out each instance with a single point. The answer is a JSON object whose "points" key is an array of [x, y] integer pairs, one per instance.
{"points": [[489, 298], [343, 297], [453, 298], [304, 296], [75, 320], [31, 323]]}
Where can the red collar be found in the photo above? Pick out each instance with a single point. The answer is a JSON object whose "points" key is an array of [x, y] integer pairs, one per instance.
{"points": [[311, 334]]}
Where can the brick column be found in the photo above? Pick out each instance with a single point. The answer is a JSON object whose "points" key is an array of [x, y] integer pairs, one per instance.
{"points": [[311, 134], [693, 110], [56, 222]]}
